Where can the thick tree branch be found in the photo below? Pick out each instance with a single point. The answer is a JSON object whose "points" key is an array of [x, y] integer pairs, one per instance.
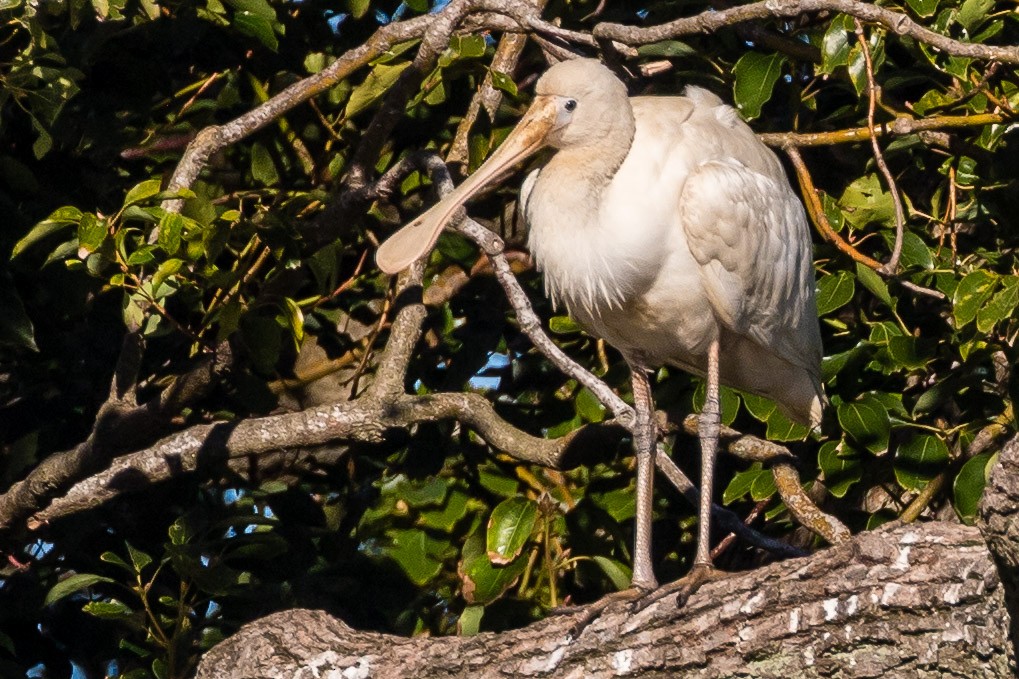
{"points": [[365, 420], [913, 601], [120, 426]]}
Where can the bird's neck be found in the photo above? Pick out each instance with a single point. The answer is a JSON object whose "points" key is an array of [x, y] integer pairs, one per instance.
{"points": [[583, 171], [568, 238]]}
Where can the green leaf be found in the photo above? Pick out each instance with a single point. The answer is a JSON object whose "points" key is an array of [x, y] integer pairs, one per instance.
{"points": [[1001, 306], [923, 8], [835, 44], [969, 485], [873, 282], [742, 482], [469, 622], [915, 253], [834, 291], [110, 610], [167, 269], [380, 79], [780, 427], [449, 514], [755, 76], [906, 352], [975, 289], [666, 48], [509, 529], [263, 168], [111, 557], [483, 582], [865, 202], [358, 8], [840, 465], [72, 584], [16, 329], [563, 325], [502, 81], [468, 46], [866, 420], [588, 406], [139, 559], [919, 460], [492, 479], [410, 549], [141, 192], [418, 494], [729, 401], [57, 221], [171, 227], [260, 8], [973, 13], [619, 574], [91, 234], [763, 486], [257, 27], [617, 503]]}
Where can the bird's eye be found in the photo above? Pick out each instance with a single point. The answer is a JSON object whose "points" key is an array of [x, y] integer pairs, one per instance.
{"points": [[570, 105]]}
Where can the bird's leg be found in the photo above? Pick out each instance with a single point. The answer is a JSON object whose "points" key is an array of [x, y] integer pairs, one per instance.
{"points": [[645, 439], [708, 429], [645, 435]]}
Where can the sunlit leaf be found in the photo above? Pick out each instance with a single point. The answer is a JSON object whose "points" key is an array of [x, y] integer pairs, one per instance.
{"points": [[834, 291], [975, 289], [509, 528], [755, 76]]}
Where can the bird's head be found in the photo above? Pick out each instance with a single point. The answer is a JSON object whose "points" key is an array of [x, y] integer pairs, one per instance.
{"points": [[584, 100], [576, 103]]}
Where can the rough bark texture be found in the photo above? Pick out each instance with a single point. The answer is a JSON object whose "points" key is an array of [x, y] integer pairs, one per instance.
{"points": [[917, 601]]}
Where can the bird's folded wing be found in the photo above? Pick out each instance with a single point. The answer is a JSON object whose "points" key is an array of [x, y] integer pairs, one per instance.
{"points": [[749, 234]]}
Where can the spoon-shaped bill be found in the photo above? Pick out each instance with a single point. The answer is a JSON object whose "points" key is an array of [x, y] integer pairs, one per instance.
{"points": [[417, 238]]}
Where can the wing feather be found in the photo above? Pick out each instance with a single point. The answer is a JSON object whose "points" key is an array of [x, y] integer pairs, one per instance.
{"points": [[748, 232]]}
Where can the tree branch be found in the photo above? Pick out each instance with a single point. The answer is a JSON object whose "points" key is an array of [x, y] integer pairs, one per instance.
{"points": [[711, 21], [917, 600]]}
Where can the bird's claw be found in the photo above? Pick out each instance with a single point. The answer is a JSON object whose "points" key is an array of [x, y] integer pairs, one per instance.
{"points": [[683, 588], [595, 610]]}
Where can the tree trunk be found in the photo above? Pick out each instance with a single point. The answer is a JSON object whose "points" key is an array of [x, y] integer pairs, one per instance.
{"points": [[920, 600]]}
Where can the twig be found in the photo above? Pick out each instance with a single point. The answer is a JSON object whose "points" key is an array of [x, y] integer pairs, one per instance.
{"points": [[820, 220], [816, 212], [711, 21], [892, 264], [901, 126], [787, 480]]}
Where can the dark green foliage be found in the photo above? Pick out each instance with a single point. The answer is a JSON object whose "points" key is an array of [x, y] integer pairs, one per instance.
{"points": [[435, 531]]}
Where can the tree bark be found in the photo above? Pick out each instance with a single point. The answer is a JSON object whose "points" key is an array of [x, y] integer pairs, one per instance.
{"points": [[917, 600]]}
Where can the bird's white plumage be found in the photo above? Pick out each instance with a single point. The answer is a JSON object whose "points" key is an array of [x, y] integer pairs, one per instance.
{"points": [[728, 257], [668, 229]]}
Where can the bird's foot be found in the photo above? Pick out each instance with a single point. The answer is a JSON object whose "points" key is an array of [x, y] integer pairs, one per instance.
{"points": [[594, 611], [683, 588]]}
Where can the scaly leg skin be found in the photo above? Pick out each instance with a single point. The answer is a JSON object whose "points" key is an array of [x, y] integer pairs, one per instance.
{"points": [[645, 436], [708, 428]]}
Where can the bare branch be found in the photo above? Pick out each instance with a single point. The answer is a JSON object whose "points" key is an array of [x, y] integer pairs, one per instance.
{"points": [[366, 420], [711, 21]]}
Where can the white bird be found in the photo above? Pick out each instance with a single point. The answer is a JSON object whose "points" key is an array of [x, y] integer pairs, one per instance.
{"points": [[666, 227]]}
